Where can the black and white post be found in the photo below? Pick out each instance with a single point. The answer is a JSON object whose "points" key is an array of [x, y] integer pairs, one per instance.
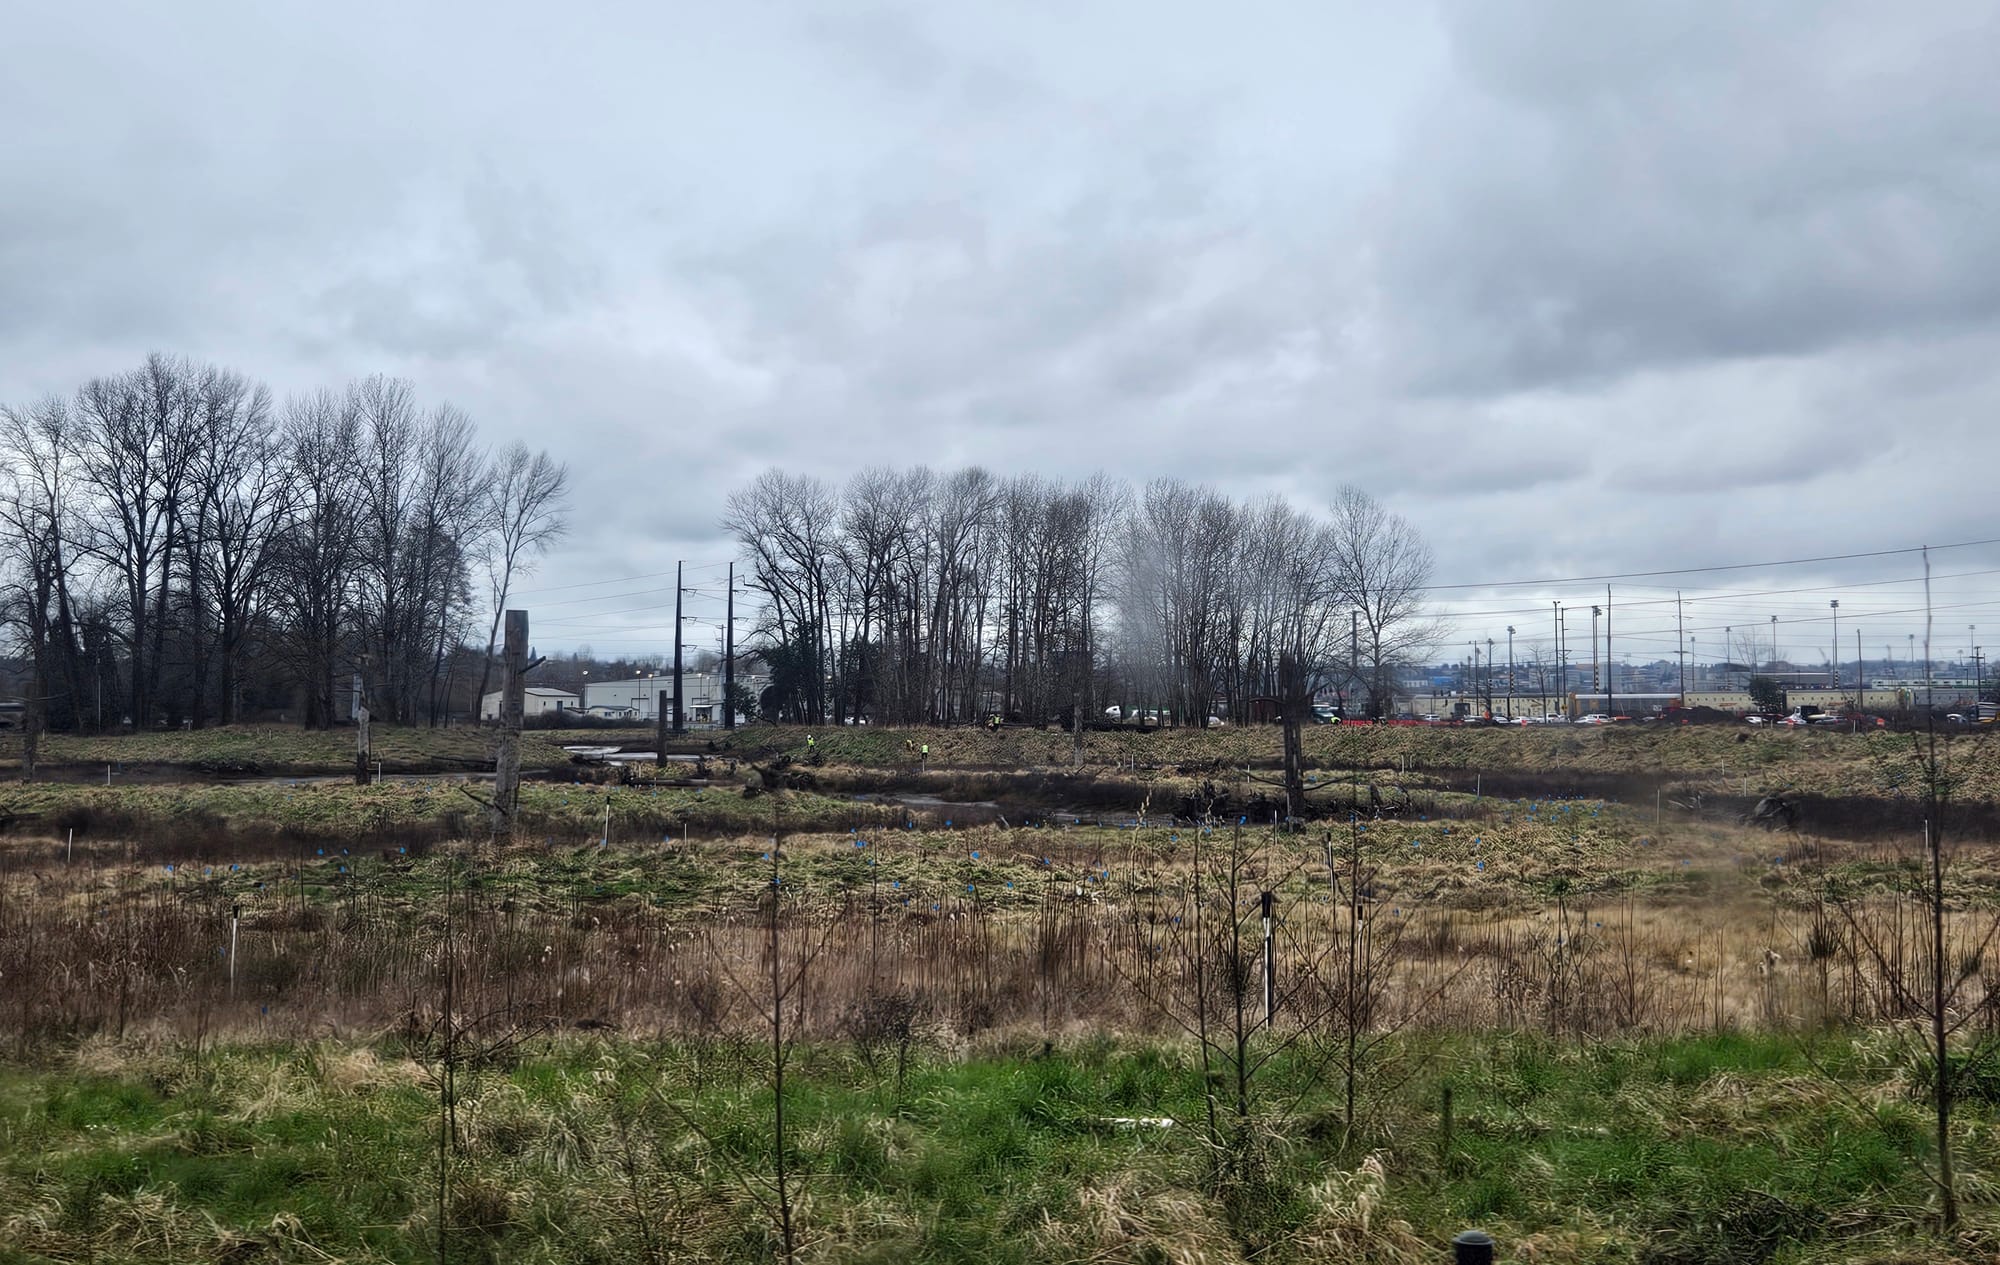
{"points": [[1270, 961]]}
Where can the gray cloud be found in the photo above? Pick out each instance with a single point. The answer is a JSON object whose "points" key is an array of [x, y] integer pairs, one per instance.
{"points": [[1604, 188], [1578, 287]]}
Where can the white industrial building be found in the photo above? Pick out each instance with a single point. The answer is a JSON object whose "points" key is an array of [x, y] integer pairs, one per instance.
{"points": [[701, 695], [535, 700]]}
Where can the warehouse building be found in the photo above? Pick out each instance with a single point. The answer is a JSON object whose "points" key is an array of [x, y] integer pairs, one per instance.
{"points": [[535, 700]]}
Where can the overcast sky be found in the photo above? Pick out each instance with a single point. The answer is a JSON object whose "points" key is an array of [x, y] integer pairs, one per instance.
{"points": [[1580, 288]]}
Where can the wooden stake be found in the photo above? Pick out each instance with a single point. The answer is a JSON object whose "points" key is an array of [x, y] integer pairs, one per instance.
{"points": [[507, 764]]}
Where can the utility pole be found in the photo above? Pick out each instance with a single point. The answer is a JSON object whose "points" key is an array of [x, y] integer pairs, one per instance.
{"points": [[729, 654], [1489, 676], [1510, 673], [1610, 664], [1561, 678], [1860, 674], [1596, 673], [1680, 635], [679, 726], [1472, 676], [1834, 606], [1774, 647], [1353, 648], [515, 667]]}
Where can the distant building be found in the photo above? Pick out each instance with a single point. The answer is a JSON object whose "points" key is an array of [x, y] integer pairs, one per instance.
{"points": [[535, 700], [701, 695]]}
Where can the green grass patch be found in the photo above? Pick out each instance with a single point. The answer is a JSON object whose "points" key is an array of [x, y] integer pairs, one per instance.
{"points": [[1727, 1147]]}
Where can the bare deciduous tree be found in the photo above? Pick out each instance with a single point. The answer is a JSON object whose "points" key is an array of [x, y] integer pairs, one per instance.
{"points": [[528, 494], [1384, 567]]}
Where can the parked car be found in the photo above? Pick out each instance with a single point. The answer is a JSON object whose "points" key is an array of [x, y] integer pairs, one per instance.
{"points": [[1955, 718], [1594, 718]]}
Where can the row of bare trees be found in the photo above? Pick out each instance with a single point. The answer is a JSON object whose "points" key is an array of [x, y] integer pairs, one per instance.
{"points": [[176, 545], [910, 595]]}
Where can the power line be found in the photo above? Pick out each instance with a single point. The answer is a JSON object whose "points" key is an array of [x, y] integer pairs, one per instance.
{"points": [[1731, 566], [622, 579]]}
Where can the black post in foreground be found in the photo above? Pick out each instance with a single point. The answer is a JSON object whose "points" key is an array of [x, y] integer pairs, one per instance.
{"points": [[1472, 1247]]}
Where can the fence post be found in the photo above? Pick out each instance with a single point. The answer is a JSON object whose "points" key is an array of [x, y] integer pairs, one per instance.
{"points": [[1270, 962], [1472, 1247], [235, 915]]}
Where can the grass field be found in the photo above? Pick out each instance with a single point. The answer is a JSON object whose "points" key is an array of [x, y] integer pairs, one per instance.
{"points": [[1717, 1148], [1823, 761], [226, 1006]]}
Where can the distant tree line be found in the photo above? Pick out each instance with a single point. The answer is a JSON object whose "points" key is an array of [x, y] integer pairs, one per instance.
{"points": [[177, 548], [908, 596]]}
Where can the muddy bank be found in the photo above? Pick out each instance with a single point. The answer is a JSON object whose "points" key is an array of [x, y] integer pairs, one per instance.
{"points": [[1857, 818], [225, 772]]}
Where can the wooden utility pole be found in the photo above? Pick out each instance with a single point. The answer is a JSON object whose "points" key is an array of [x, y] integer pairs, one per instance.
{"points": [[513, 687]]}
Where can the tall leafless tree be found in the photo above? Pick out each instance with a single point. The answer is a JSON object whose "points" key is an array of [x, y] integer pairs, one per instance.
{"points": [[526, 513], [1384, 568], [321, 546]]}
